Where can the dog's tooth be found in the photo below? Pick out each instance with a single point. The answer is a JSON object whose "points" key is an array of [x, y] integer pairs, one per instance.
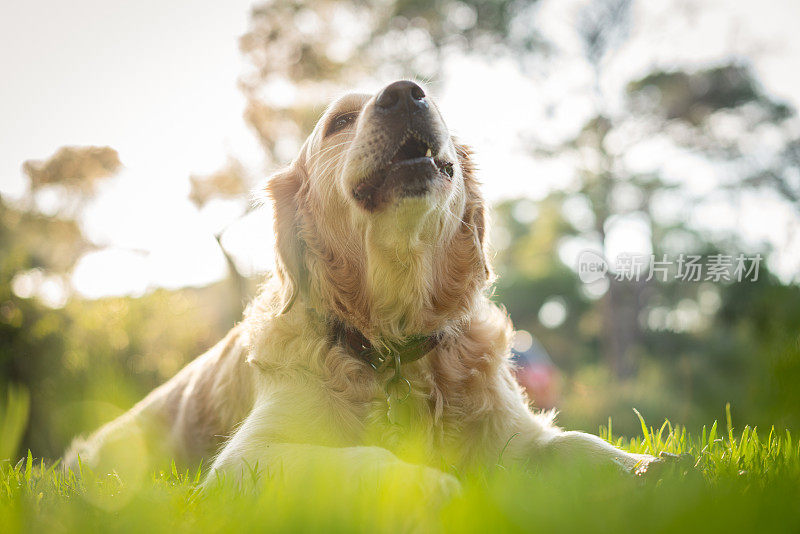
{"points": [[428, 153]]}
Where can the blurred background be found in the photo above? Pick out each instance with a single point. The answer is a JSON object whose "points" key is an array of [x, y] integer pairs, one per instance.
{"points": [[132, 137]]}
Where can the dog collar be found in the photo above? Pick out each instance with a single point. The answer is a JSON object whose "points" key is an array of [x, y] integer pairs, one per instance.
{"points": [[394, 355], [409, 350]]}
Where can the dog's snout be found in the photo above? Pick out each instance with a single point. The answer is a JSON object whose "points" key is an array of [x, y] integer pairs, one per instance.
{"points": [[402, 96]]}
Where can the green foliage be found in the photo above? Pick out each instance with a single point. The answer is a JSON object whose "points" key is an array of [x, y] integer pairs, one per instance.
{"points": [[13, 418], [91, 360], [742, 345], [725, 481]]}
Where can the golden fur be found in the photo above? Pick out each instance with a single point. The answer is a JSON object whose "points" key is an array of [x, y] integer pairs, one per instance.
{"points": [[283, 389]]}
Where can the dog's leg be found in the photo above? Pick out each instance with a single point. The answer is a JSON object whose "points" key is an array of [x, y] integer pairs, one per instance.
{"points": [[344, 470], [532, 438], [529, 437], [575, 447], [184, 419], [538, 442], [294, 433]]}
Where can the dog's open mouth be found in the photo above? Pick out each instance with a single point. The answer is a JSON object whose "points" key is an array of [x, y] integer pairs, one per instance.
{"points": [[412, 151], [409, 172], [415, 150]]}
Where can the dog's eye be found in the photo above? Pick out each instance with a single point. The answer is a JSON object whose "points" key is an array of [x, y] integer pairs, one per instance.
{"points": [[340, 122]]}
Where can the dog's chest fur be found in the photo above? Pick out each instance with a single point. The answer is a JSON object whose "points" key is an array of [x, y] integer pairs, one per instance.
{"points": [[319, 392]]}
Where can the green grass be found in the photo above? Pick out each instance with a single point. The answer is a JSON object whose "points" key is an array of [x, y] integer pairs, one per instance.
{"points": [[735, 481]]}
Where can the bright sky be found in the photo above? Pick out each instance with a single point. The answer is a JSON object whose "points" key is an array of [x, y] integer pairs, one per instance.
{"points": [[157, 81]]}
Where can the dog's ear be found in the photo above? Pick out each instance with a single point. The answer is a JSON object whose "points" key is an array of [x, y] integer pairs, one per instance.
{"points": [[474, 212], [285, 190]]}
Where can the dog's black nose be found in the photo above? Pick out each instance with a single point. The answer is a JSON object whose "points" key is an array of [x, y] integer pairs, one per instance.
{"points": [[402, 95]]}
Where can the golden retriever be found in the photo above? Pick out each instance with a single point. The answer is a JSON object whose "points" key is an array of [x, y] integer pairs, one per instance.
{"points": [[374, 339]]}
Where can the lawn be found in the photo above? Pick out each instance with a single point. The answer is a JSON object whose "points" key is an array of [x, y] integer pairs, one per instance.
{"points": [[736, 480]]}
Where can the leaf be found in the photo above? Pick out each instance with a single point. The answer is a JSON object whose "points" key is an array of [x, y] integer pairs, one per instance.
{"points": [[13, 420], [645, 432], [28, 468]]}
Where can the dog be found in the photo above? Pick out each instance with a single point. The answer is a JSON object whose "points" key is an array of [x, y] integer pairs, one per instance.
{"points": [[373, 342]]}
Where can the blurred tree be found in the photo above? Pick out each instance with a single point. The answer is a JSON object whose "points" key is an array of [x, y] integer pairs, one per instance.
{"points": [[45, 246], [74, 172], [231, 181], [79, 359], [78, 168], [700, 345], [30, 332], [723, 113], [687, 110], [40, 250], [37, 254]]}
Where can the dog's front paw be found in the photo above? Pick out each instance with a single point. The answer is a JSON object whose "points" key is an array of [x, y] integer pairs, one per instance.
{"points": [[647, 465], [654, 468]]}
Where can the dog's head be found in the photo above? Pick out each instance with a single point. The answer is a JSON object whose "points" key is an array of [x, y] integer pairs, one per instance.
{"points": [[378, 221]]}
